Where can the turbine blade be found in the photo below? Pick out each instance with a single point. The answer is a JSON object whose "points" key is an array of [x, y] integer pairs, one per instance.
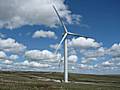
{"points": [[62, 23], [74, 34], [60, 62], [65, 35]]}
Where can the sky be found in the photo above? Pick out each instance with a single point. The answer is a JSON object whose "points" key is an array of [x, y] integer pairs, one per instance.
{"points": [[30, 32]]}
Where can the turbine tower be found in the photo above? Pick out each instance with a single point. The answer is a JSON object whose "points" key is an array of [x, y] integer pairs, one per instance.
{"points": [[64, 39]]}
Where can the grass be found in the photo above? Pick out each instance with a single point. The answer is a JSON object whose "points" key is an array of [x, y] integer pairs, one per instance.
{"points": [[29, 81]]}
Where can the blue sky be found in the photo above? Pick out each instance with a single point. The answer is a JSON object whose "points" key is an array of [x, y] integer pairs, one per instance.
{"points": [[99, 20], [102, 18]]}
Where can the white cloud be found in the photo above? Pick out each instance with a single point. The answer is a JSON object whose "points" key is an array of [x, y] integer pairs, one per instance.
{"points": [[16, 13], [115, 59], [2, 55], [8, 62], [45, 55], [35, 64], [118, 64], [73, 68], [10, 45], [72, 51], [54, 46], [14, 57], [2, 35], [113, 53], [87, 60], [84, 43], [92, 55], [72, 58], [115, 46], [44, 34], [107, 64], [114, 50], [7, 59], [86, 67]]}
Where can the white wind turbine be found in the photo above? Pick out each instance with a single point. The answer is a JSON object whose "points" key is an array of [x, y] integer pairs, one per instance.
{"points": [[64, 39]]}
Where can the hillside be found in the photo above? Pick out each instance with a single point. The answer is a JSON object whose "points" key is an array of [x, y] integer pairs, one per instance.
{"points": [[54, 81]]}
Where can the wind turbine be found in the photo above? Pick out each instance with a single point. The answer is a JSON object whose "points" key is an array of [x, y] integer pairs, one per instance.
{"points": [[64, 39]]}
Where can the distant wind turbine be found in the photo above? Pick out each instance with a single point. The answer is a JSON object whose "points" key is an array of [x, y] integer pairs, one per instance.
{"points": [[64, 39]]}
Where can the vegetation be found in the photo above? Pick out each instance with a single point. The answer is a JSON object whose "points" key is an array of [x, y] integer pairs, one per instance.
{"points": [[36, 81]]}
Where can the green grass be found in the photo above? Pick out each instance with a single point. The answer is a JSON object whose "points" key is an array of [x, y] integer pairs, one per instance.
{"points": [[28, 81]]}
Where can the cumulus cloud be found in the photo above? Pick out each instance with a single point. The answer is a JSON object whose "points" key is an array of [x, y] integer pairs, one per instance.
{"points": [[84, 43], [14, 57], [114, 53], [10, 45], [2, 55], [93, 55], [7, 59], [88, 55], [106, 58], [2, 35], [115, 46], [114, 50], [53, 46], [8, 62], [45, 55], [87, 60], [34, 64], [110, 63], [107, 64], [86, 67], [72, 58], [16, 13], [44, 34]]}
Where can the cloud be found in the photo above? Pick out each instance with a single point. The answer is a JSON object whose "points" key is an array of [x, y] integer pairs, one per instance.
{"points": [[86, 67], [93, 55], [105, 58], [107, 64], [2, 55], [10, 45], [114, 57], [72, 58], [98, 58], [7, 59], [83, 43], [35, 64], [44, 55], [16, 13], [72, 51], [87, 60], [44, 34], [54, 46], [114, 50], [2, 35], [8, 62], [115, 46], [14, 57]]}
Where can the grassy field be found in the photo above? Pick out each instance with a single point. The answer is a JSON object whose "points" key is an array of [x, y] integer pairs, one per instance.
{"points": [[46, 81]]}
